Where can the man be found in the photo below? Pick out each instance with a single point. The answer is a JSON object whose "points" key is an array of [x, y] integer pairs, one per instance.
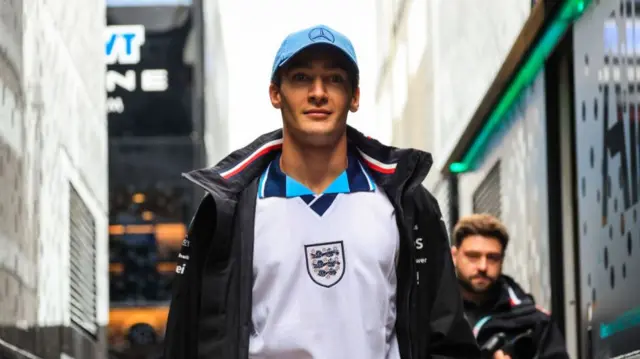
{"points": [[495, 305], [315, 241]]}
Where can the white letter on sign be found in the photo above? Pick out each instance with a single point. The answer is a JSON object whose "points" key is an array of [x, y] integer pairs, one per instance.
{"points": [[154, 80], [122, 44], [126, 81]]}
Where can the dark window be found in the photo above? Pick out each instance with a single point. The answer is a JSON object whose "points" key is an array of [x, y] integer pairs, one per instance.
{"points": [[82, 264], [487, 198], [151, 143]]}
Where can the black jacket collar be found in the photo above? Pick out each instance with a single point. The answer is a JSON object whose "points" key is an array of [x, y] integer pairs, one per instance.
{"points": [[508, 294], [390, 166]]}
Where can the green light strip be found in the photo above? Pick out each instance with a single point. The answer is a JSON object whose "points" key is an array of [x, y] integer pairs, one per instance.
{"points": [[571, 10]]}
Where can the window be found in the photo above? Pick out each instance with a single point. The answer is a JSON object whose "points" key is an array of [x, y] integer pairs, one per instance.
{"points": [[488, 196], [82, 264]]}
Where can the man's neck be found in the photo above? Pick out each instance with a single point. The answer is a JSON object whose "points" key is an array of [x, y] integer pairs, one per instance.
{"points": [[314, 167], [479, 299], [475, 298]]}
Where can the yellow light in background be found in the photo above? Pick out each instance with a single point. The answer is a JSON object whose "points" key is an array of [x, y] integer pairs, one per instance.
{"points": [[147, 215], [116, 229], [138, 198], [139, 229], [171, 233]]}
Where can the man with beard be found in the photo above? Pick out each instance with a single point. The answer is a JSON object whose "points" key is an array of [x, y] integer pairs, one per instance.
{"points": [[501, 313]]}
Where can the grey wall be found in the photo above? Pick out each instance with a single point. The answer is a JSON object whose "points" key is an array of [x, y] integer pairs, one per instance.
{"points": [[216, 85], [470, 40], [52, 135], [520, 146], [607, 84]]}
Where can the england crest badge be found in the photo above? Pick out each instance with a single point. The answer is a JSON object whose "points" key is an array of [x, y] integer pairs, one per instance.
{"points": [[325, 263]]}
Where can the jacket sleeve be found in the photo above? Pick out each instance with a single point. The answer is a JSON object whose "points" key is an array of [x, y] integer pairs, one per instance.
{"points": [[450, 333], [180, 339], [552, 345]]}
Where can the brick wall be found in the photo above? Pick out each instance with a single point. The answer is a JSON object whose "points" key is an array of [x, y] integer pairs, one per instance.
{"points": [[53, 134]]}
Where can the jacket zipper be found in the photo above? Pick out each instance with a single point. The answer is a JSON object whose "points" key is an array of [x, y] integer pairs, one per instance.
{"points": [[408, 216], [248, 205], [412, 283], [405, 235], [480, 324]]}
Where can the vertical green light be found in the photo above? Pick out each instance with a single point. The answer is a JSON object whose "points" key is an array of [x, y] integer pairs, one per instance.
{"points": [[570, 11]]}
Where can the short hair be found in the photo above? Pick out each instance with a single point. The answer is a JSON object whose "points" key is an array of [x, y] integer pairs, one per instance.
{"points": [[482, 224], [342, 62]]}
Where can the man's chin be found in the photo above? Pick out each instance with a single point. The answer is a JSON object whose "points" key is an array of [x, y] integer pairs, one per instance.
{"points": [[476, 289], [481, 289], [320, 135]]}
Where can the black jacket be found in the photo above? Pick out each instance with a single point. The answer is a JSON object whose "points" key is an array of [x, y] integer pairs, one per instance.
{"points": [[210, 313], [515, 312]]}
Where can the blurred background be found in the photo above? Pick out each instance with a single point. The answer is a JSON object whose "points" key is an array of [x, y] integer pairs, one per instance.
{"points": [[530, 109]]}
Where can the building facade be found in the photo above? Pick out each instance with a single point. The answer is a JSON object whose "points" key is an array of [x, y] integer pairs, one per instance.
{"points": [[437, 59], [166, 96], [552, 148], [53, 175], [155, 111], [216, 100], [606, 176]]}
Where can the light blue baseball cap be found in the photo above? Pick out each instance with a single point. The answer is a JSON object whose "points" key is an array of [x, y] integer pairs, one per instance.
{"points": [[298, 41]]}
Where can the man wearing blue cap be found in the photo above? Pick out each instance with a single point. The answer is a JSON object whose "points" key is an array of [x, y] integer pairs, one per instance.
{"points": [[315, 241]]}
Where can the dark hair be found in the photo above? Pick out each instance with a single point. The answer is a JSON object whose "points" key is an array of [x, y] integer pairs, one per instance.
{"points": [[341, 61], [482, 224], [353, 77]]}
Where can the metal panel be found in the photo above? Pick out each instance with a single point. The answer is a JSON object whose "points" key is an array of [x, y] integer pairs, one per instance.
{"points": [[82, 264], [487, 197], [607, 56]]}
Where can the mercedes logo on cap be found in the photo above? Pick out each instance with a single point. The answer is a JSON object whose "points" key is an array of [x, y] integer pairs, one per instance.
{"points": [[320, 33]]}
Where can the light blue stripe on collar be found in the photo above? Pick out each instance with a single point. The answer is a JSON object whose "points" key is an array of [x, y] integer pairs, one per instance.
{"points": [[339, 185]]}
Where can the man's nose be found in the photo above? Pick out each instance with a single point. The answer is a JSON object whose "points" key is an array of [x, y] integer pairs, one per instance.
{"points": [[318, 91], [482, 264]]}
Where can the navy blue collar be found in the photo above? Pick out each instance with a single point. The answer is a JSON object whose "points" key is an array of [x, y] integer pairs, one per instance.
{"points": [[274, 183]]}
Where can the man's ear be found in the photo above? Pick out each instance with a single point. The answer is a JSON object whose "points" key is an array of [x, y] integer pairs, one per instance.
{"points": [[274, 96], [355, 100]]}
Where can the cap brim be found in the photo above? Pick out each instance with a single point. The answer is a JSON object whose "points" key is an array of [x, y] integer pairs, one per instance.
{"points": [[311, 46]]}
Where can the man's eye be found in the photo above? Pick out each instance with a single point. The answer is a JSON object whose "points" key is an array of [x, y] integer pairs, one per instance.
{"points": [[337, 78], [300, 77], [473, 255]]}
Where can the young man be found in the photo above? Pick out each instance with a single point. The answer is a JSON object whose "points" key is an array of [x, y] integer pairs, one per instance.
{"points": [[493, 302], [315, 241]]}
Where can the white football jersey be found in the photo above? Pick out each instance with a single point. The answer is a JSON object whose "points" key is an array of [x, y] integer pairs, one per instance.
{"points": [[324, 283]]}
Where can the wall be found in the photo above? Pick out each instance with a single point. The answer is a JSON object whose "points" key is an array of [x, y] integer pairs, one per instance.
{"points": [[216, 85], [520, 147], [52, 134], [404, 90], [471, 40], [436, 61], [607, 132]]}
